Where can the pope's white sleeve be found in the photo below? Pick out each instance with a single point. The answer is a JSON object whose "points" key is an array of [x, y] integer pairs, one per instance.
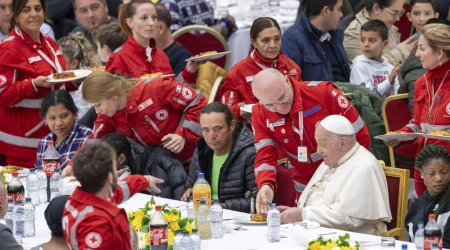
{"points": [[326, 217]]}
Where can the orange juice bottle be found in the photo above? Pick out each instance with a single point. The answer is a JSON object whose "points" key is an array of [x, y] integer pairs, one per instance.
{"points": [[201, 190]]}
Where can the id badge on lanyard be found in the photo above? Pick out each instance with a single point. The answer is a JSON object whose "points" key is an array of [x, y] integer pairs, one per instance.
{"points": [[302, 151]]}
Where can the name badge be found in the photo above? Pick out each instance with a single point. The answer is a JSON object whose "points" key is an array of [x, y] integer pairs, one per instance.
{"points": [[34, 59], [302, 154], [249, 78], [279, 122], [147, 103], [292, 72]]}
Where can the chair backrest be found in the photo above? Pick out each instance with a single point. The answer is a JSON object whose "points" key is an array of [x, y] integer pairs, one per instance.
{"points": [[285, 194], [404, 25], [396, 114], [215, 90], [199, 38], [397, 182]]}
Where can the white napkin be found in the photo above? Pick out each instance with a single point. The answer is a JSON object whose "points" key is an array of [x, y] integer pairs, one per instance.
{"points": [[311, 224], [69, 186], [302, 236]]}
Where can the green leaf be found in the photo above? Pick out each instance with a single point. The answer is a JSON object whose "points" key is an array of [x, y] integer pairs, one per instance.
{"points": [[164, 206], [182, 223], [147, 247], [145, 229], [145, 220], [147, 206], [152, 201]]}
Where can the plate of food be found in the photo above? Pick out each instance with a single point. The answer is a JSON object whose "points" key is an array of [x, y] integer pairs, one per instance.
{"points": [[9, 169], [254, 219], [398, 135], [438, 134], [247, 108], [208, 55], [69, 75]]}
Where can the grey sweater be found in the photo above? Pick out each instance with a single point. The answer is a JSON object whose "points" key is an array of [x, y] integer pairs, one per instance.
{"points": [[8, 242]]}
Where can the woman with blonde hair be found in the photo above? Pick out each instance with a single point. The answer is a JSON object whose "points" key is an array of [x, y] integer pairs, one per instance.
{"points": [[151, 112], [139, 55], [431, 110]]}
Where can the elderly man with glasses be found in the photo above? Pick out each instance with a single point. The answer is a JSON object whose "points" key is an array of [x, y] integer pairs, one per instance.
{"points": [[287, 114]]}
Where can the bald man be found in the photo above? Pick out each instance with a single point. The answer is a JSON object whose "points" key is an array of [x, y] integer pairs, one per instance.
{"points": [[6, 236], [287, 114], [337, 196]]}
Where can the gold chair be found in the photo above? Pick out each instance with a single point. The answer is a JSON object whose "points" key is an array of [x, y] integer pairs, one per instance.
{"points": [[397, 182], [215, 89]]}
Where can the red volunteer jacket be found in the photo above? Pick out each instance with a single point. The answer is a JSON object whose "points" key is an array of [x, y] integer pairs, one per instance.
{"points": [[90, 222], [130, 60], [316, 100], [20, 102], [433, 104], [237, 87], [154, 109]]}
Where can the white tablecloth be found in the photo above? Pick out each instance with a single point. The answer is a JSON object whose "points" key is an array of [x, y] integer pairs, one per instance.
{"points": [[239, 43], [254, 238]]}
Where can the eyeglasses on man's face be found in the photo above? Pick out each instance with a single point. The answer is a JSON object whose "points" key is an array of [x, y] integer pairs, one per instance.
{"points": [[283, 99]]}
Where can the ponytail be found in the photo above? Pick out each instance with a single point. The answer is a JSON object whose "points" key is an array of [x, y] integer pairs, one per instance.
{"points": [[101, 85]]}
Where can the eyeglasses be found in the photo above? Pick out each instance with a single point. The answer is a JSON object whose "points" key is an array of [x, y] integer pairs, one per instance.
{"points": [[284, 98], [396, 13]]}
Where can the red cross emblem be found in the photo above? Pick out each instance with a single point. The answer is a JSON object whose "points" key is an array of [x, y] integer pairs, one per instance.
{"points": [[342, 101], [161, 114], [187, 93], [93, 240]]}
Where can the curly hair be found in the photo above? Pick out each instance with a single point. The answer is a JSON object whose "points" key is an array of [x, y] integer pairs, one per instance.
{"points": [[76, 46], [431, 152]]}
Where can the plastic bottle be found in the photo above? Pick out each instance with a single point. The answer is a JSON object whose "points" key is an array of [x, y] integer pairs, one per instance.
{"points": [[158, 231], [201, 189], [432, 233], [15, 189], [190, 209], [177, 240], [204, 221], [186, 242], [33, 187], [273, 224], [216, 212], [419, 236], [196, 239], [50, 162], [9, 221], [30, 215], [42, 185], [55, 184], [19, 220]]}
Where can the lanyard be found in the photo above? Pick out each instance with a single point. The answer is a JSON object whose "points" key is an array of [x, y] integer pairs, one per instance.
{"points": [[56, 65], [263, 67], [299, 131]]}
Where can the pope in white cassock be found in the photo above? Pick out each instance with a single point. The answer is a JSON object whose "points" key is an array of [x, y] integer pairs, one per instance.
{"points": [[348, 191]]}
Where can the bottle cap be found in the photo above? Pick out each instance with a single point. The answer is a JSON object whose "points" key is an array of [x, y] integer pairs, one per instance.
{"points": [[179, 231], [420, 223], [32, 170], [201, 175], [185, 232], [158, 207], [56, 170], [203, 202], [431, 216], [10, 199], [215, 200], [15, 173], [194, 230], [27, 199], [39, 167], [191, 198], [51, 143]]}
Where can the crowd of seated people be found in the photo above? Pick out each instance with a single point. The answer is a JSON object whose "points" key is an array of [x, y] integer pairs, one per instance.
{"points": [[131, 128]]}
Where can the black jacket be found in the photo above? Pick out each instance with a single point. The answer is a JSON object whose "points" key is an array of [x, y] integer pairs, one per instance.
{"points": [[411, 70], [236, 175], [160, 163], [424, 206]]}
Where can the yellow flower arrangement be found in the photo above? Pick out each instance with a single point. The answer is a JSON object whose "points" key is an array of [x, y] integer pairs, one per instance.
{"points": [[140, 220], [341, 244]]}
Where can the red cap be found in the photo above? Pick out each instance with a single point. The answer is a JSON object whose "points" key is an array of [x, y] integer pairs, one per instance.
{"points": [[158, 207], [432, 217], [15, 173], [51, 143]]}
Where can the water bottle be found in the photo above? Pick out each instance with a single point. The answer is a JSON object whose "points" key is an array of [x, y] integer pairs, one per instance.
{"points": [[435, 246], [19, 220], [33, 187], [419, 236], [432, 233], [273, 224], [42, 185], [9, 214], [29, 228], [55, 184], [216, 212], [190, 209], [186, 242], [196, 239], [204, 221], [177, 240]]}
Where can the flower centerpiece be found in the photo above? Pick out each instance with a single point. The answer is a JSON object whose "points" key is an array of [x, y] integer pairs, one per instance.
{"points": [[343, 243], [140, 220]]}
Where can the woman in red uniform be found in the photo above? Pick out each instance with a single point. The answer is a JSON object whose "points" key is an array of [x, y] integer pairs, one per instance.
{"points": [[265, 37], [431, 94], [139, 55], [151, 112], [27, 57]]}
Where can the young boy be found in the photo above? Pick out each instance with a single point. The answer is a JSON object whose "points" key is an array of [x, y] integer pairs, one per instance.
{"points": [[371, 69], [420, 12], [108, 38]]}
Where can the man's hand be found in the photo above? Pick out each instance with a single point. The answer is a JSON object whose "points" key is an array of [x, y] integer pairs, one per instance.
{"points": [[392, 143], [175, 144], [265, 194], [393, 75], [152, 181], [410, 44], [41, 81], [291, 215], [283, 208], [192, 66], [223, 205], [185, 196], [243, 114], [67, 171]]}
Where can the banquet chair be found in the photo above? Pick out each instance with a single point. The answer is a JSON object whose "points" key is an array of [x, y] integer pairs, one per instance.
{"points": [[199, 38], [395, 111], [397, 182], [215, 90], [285, 194]]}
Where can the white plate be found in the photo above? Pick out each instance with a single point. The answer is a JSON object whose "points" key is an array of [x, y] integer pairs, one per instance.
{"points": [[245, 219], [438, 137], [399, 137], [208, 57], [247, 108], [80, 73]]}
